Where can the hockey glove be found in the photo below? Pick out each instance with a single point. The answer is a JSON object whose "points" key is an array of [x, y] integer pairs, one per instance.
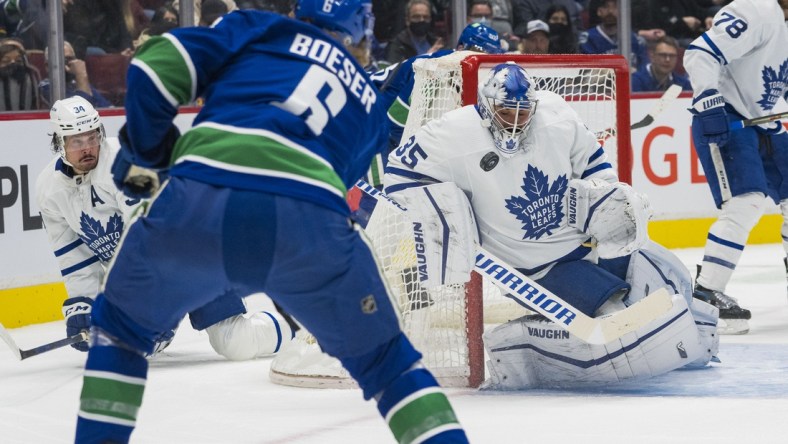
{"points": [[77, 313], [709, 108], [141, 181], [613, 213]]}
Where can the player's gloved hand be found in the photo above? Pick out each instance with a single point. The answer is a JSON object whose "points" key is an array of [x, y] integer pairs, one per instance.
{"points": [[77, 313], [709, 107], [138, 181]]}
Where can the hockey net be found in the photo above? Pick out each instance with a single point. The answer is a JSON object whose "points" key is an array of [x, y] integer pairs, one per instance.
{"points": [[446, 323]]}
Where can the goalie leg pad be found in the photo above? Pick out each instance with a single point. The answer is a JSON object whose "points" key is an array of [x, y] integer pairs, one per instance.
{"points": [[445, 232], [654, 267], [244, 337], [532, 353], [583, 284]]}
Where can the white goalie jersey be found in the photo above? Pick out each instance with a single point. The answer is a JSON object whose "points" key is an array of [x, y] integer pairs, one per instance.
{"points": [[744, 56], [83, 216], [518, 201]]}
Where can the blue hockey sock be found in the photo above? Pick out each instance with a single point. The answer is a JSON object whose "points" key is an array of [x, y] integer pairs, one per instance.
{"points": [[111, 394], [417, 410]]}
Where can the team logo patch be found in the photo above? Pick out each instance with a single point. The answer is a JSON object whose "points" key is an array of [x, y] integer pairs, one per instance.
{"points": [[774, 85], [101, 240], [541, 209]]}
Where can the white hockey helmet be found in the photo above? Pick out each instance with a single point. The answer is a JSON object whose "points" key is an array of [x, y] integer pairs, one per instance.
{"points": [[507, 87], [72, 116]]}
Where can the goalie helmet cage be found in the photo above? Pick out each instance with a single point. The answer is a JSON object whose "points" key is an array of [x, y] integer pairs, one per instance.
{"points": [[446, 323]]}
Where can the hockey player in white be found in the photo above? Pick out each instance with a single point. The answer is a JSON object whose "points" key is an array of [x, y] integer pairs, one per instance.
{"points": [[547, 201], [739, 70], [84, 214]]}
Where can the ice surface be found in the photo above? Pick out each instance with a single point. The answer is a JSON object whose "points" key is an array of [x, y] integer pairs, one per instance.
{"points": [[195, 396]]}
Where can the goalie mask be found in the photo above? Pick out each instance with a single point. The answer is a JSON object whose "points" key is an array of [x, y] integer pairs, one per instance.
{"points": [[70, 117], [507, 105], [349, 20]]}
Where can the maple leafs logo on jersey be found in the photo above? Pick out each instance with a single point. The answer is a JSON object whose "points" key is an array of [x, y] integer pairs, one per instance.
{"points": [[101, 240], [541, 209], [775, 85]]}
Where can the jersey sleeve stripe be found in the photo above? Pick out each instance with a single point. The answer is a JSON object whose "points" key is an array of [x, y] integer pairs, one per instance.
{"points": [[189, 64], [597, 154], [398, 112], [698, 48], [76, 267], [165, 65], [67, 248], [714, 48], [596, 169]]}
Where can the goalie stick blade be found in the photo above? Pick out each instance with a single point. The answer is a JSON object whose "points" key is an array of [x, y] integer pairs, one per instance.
{"points": [[636, 315], [662, 104], [10, 341]]}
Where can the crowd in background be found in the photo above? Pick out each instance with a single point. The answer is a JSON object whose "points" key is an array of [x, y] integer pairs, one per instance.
{"points": [[102, 35]]}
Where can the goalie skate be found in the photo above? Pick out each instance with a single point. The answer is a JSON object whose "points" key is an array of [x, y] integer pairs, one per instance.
{"points": [[302, 364]]}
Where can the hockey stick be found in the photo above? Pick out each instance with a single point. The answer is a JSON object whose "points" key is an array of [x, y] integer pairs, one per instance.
{"points": [[529, 293], [662, 104], [739, 124], [24, 354]]}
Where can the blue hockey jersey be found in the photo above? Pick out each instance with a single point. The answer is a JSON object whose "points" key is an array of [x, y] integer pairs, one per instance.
{"points": [[287, 109]]}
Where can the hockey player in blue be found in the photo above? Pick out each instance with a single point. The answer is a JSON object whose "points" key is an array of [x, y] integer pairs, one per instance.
{"points": [[254, 200], [602, 39], [739, 70]]}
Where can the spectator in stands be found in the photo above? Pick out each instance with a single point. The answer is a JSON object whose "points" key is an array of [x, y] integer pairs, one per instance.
{"points": [[537, 38], [603, 39], [563, 35], [481, 11], [502, 21], [164, 19], [283, 7], [684, 20], [25, 20], [526, 10], [418, 37], [97, 27], [77, 81], [18, 80], [211, 10], [661, 72], [231, 6]]}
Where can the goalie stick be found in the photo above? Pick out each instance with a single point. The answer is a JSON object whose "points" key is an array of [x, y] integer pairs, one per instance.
{"points": [[662, 104], [24, 354], [528, 293]]}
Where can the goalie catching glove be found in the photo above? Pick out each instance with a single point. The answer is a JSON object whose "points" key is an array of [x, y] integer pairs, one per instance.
{"points": [[445, 233], [613, 213]]}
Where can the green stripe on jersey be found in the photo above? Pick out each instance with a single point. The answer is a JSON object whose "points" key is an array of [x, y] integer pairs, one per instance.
{"points": [[256, 151], [398, 112], [108, 397], [421, 415], [167, 62]]}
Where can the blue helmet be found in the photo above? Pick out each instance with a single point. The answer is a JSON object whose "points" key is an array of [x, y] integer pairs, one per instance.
{"points": [[504, 97], [480, 38], [352, 18]]}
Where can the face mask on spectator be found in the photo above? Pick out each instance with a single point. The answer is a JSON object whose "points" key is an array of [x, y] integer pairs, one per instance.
{"points": [[16, 71], [419, 29], [558, 28], [482, 20]]}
